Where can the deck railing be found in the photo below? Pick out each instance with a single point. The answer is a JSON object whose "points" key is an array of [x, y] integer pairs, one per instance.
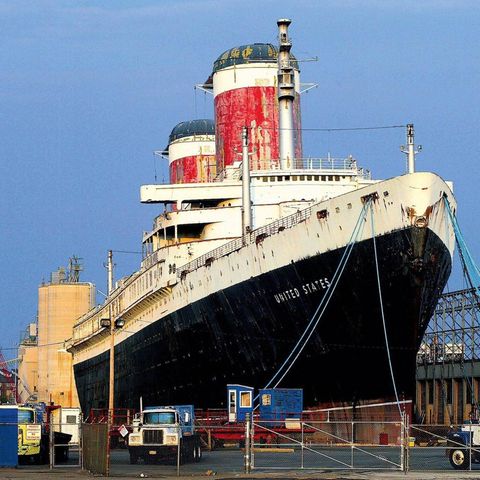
{"points": [[255, 236], [320, 165]]}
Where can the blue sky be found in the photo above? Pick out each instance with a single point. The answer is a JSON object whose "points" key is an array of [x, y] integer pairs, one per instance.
{"points": [[88, 89]]}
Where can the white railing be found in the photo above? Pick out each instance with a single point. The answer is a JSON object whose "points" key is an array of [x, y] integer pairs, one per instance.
{"points": [[326, 165], [254, 236]]}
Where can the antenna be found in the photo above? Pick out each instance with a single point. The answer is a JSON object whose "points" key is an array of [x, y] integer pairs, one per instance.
{"points": [[74, 269]]}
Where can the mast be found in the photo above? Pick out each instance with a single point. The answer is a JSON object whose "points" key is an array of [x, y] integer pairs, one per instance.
{"points": [[286, 95], [246, 201], [409, 150]]}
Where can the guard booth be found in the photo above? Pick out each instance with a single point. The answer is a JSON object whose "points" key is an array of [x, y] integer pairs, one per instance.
{"points": [[239, 401], [283, 406], [8, 436]]}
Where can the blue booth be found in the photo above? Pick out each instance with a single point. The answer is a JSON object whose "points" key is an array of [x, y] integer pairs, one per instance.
{"points": [[239, 402], [8, 436]]}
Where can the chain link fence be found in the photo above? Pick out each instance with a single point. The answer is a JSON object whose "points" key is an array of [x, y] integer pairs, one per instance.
{"points": [[262, 446], [316, 445]]}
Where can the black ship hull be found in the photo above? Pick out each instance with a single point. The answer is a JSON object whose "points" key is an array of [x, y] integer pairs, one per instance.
{"points": [[244, 333]]}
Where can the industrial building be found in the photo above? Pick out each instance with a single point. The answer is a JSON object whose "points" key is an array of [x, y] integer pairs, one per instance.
{"points": [[45, 367], [28, 365], [448, 362]]}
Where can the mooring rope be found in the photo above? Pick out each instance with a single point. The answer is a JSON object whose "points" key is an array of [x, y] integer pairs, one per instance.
{"points": [[312, 324], [383, 312], [469, 265], [471, 273]]}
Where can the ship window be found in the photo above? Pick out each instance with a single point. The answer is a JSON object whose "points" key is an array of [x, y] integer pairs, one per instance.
{"points": [[337, 209], [279, 179], [323, 178], [302, 178], [322, 214], [372, 196], [309, 177], [337, 178], [316, 177], [272, 179], [330, 178], [266, 399], [349, 206], [264, 179], [287, 178], [294, 178]]}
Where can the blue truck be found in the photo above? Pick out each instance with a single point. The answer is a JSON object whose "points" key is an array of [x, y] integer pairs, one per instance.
{"points": [[164, 432], [462, 444]]}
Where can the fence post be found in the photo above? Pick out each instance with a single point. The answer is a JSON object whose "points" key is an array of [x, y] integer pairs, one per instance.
{"points": [[402, 442], [179, 450], [407, 443], [247, 457], [51, 443], [80, 439], [109, 438], [303, 446], [470, 448], [352, 446]]}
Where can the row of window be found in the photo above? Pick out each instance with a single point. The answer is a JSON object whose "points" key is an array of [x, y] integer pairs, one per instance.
{"points": [[308, 178]]}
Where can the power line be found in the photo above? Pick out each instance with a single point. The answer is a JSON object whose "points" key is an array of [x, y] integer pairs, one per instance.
{"points": [[349, 129], [126, 251], [34, 345]]}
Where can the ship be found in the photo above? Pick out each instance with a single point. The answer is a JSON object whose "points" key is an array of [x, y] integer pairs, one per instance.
{"points": [[265, 266]]}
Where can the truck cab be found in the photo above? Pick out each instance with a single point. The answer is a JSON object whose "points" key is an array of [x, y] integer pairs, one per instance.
{"points": [[29, 435], [464, 446], [164, 432]]}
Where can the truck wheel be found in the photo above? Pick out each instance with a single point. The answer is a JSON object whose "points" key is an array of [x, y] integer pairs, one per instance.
{"points": [[459, 459], [197, 453]]}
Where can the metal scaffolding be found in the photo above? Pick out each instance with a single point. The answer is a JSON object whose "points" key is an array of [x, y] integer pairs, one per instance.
{"points": [[453, 333], [448, 361]]}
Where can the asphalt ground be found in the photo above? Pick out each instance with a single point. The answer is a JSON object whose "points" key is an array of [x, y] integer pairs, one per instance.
{"points": [[61, 473], [426, 463]]}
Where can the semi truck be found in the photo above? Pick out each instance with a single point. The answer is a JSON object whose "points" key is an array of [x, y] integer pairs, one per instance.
{"points": [[164, 432]]}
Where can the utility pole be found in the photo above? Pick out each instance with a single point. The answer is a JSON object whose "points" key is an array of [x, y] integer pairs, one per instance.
{"points": [[111, 371]]}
